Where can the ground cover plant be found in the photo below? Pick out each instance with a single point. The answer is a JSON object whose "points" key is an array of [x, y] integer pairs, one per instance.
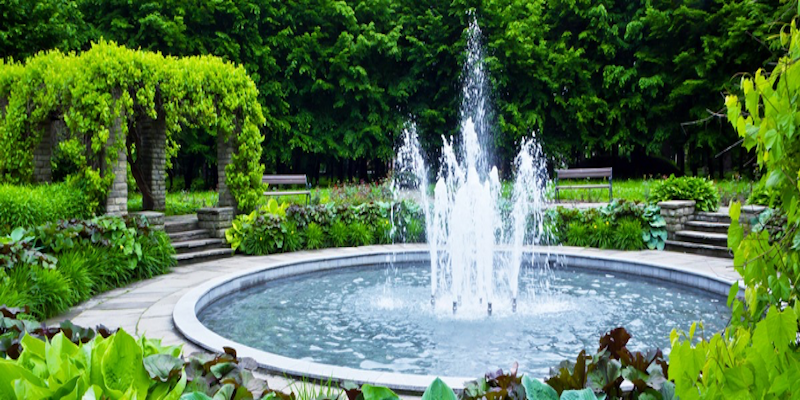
{"points": [[620, 225], [54, 266]]}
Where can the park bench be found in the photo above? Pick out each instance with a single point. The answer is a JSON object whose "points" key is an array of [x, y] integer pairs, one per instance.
{"points": [[581, 173], [276, 180]]}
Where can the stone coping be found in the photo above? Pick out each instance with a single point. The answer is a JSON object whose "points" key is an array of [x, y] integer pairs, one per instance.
{"points": [[687, 270]]}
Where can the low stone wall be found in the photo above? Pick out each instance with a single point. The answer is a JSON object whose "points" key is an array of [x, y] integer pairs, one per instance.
{"points": [[676, 213], [216, 220], [155, 219]]}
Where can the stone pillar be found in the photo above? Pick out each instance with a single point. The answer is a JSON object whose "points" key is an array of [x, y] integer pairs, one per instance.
{"points": [[152, 162], [43, 153], [676, 213], [117, 200], [154, 219], [224, 154], [215, 220]]}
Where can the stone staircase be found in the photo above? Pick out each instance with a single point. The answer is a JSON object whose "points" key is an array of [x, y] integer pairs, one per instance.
{"points": [[704, 233], [192, 243]]}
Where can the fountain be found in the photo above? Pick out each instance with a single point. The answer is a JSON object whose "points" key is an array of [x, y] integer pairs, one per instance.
{"points": [[364, 313], [466, 219]]}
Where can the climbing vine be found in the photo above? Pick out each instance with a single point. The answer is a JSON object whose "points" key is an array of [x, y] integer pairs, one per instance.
{"points": [[102, 93], [758, 356]]}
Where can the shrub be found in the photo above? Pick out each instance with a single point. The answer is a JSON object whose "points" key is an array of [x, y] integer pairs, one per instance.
{"points": [[627, 235], [339, 234], [315, 237], [578, 234], [763, 196], [601, 234], [72, 265], [157, 255], [700, 190], [83, 258], [292, 237], [29, 206], [359, 234]]}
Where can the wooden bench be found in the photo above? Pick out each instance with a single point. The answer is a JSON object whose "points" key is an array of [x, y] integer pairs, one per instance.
{"points": [[581, 173], [275, 180]]}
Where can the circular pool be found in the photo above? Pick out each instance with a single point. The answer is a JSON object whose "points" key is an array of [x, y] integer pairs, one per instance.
{"points": [[369, 317]]}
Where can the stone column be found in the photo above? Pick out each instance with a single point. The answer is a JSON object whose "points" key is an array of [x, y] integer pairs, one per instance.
{"points": [[117, 200], [43, 153], [676, 213], [152, 162], [224, 154], [215, 220]]}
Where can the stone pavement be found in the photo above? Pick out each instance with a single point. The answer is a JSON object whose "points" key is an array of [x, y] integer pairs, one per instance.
{"points": [[145, 308]]}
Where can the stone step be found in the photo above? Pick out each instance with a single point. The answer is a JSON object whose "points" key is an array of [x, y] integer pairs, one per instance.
{"points": [[711, 227], [180, 225], [713, 239], [183, 236], [202, 256], [199, 245], [698, 248], [717, 217]]}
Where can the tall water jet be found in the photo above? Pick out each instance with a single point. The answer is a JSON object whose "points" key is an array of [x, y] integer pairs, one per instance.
{"points": [[475, 234]]}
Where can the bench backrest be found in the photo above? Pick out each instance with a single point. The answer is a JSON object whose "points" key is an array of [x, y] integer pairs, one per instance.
{"points": [[285, 179], [583, 173]]}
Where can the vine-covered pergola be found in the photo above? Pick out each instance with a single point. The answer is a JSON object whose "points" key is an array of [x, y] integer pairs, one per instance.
{"points": [[111, 106]]}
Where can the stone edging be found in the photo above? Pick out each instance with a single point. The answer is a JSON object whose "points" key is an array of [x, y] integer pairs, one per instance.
{"points": [[186, 322]]}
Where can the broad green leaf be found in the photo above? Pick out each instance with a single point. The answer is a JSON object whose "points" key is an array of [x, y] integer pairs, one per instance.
{"points": [[378, 393], [585, 394], [538, 390], [62, 356], [438, 390], [195, 396], [10, 372], [732, 293], [34, 357], [225, 392], [121, 365], [782, 328], [735, 211], [162, 366]]}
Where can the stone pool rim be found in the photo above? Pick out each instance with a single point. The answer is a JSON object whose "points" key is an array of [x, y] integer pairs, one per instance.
{"points": [[187, 308]]}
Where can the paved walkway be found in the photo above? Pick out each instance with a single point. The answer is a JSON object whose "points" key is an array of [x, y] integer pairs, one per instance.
{"points": [[145, 308]]}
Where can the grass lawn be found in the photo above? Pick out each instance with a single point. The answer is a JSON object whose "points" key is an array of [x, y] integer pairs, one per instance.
{"points": [[178, 203], [631, 189], [639, 189]]}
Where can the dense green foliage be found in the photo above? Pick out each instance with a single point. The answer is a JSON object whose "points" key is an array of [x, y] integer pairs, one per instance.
{"points": [[338, 80], [278, 228], [79, 363], [57, 265], [758, 355], [701, 190], [620, 225], [29, 206], [109, 92]]}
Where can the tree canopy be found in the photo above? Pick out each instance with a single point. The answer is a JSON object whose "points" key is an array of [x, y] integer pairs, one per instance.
{"points": [[338, 80]]}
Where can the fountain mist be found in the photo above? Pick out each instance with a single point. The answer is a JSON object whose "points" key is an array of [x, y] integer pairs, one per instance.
{"points": [[475, 233]]}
